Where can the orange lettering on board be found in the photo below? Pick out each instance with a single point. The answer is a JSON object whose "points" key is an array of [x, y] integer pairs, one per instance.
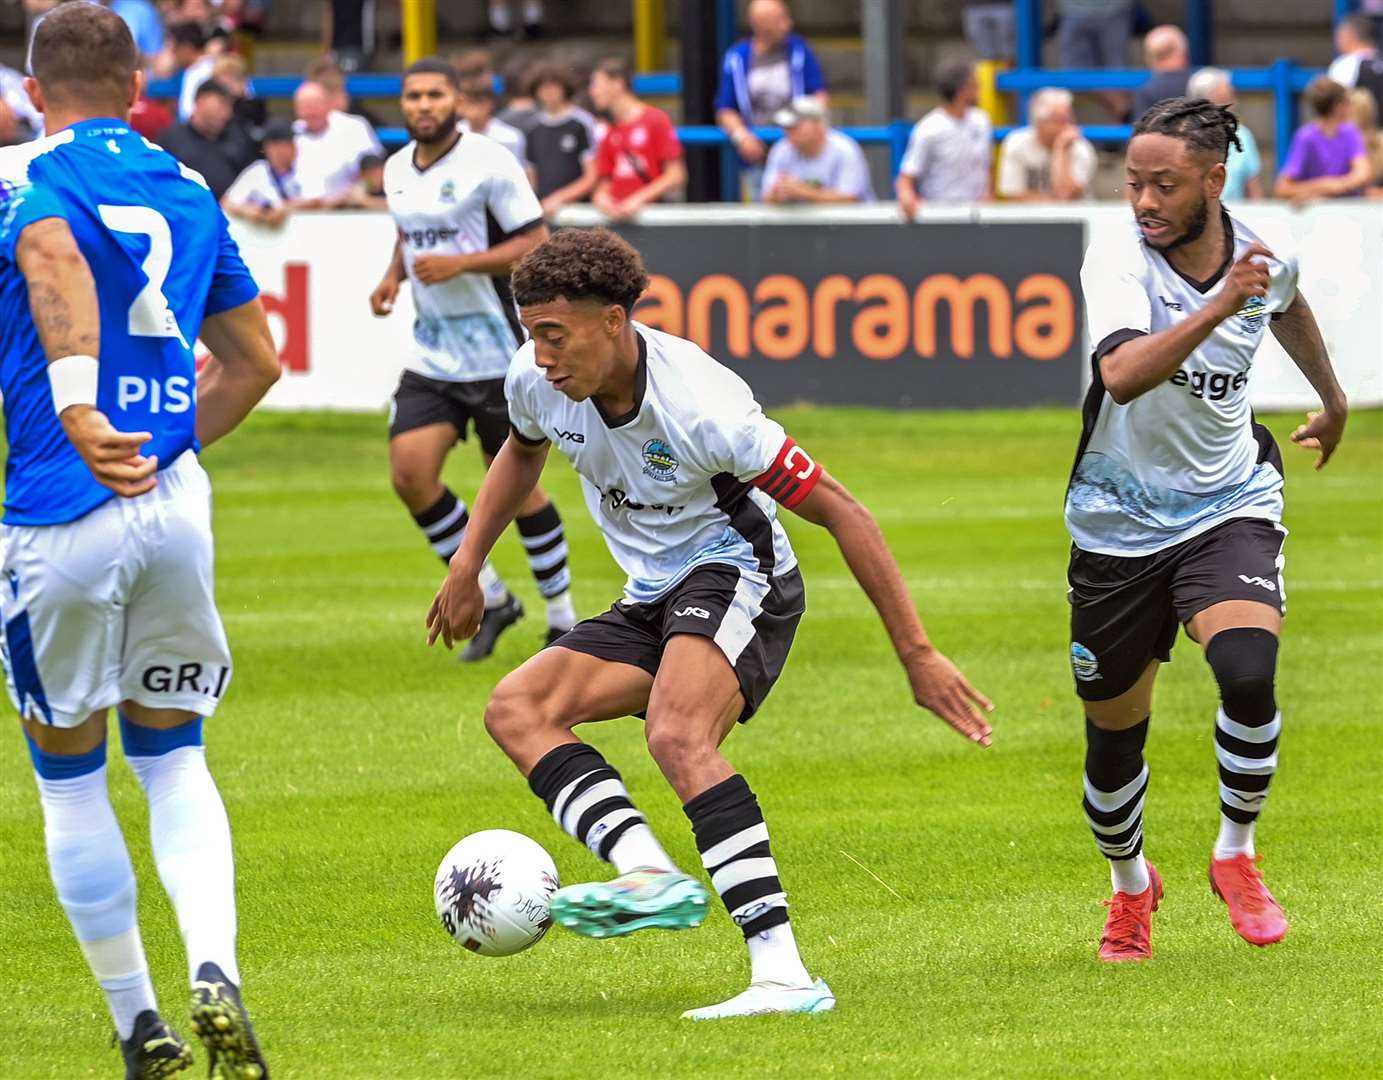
{"points": [[661, 305], [880, 331], [963, 296], [782, 329], [830, 292], [723, 288], [1044, 330]]}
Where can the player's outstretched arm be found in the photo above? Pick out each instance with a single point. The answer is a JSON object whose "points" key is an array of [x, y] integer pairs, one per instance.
{"points": [[937, 684], [244, 364], [1136, 366], [1297, 332], [67, 316], [457, 609]]}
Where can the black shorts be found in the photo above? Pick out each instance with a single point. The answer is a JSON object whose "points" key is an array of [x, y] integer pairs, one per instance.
{"points": [[420, 401], [752, 629], [1125, 611]]}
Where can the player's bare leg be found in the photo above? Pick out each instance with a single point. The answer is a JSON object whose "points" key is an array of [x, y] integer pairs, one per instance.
{"points": [[1116, 784], [1240, 638], [416, 458]]}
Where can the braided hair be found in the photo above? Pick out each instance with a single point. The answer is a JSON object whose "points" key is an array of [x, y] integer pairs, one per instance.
{"points": [[1201, 124]]}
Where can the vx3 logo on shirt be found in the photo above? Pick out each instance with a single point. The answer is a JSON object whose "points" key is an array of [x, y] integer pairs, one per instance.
{"points": [[574, 436], [698, 612], [1255, 580], [1175, 305]]}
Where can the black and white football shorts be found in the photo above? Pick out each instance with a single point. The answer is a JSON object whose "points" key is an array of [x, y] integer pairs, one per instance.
{"points": [[420, 401], [751, 624], [1125, 610]]}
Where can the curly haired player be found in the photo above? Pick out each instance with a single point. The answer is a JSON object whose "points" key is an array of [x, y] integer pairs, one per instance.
{"points": [[683, 473], [1175, 502]]}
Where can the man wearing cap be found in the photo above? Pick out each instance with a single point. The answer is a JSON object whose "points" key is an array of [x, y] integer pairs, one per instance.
{"points": [[813, 163], [269, 188], [208, 141]]}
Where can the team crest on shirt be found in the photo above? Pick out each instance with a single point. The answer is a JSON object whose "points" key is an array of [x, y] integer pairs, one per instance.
{"points": [[658, 461], [1084, 663], [1251, 314], [448, 192]]}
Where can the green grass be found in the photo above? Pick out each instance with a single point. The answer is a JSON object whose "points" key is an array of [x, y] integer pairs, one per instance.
{"points": [[351, 758]]}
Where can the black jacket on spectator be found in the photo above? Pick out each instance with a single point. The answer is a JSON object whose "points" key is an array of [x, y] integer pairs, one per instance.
{"points": [[219, 161], [1163, 85]]}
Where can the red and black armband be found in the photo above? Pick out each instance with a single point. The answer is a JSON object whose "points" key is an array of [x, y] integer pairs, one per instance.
{"points": [[791, 477]]}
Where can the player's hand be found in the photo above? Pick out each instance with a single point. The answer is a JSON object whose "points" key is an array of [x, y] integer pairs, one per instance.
{"points": [[938, 685], [382, 299], [430, 269], [1322, 431], [1249, 276], [456, 610], [112, 456]]}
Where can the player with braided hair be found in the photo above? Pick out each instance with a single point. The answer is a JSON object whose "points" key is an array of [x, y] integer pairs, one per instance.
{"points": [[1175, 502]]}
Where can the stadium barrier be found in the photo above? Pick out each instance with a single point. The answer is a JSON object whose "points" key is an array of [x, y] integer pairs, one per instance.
{"points": [[972, 307]]}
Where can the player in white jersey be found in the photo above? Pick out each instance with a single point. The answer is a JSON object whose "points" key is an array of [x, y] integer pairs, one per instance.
{"points": [[465, 213], [1175, 502], [683, 473]]}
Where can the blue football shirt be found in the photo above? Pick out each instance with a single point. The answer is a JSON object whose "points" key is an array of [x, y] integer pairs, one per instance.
{"points": [[162, 259]]}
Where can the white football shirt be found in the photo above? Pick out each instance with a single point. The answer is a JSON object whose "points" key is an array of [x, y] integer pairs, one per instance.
{"points": [[1186, 456], [668, 484], [329, 160], [949, 158], [507, 135], [464, 203]]}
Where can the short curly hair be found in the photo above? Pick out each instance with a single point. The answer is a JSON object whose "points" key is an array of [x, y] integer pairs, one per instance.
{"points": [[581, 264]]}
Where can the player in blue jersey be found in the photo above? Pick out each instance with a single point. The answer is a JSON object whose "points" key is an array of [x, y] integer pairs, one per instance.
{"points": [[114, 259]]}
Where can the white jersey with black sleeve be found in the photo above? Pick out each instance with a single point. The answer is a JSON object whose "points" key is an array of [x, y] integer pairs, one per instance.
{"points": [[466, 202], [1187, 455], [689, 477]]}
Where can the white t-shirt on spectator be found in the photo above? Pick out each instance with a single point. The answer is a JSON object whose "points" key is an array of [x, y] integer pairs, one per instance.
{"points": [[507, 135], [839, 167], [258, 186], [1025, 165], [198, 73], [949, 158], [329, 161], [1345, 69]]}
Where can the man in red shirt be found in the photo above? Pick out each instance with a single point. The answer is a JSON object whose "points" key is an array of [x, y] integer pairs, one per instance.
{"points": [[640, 158]]}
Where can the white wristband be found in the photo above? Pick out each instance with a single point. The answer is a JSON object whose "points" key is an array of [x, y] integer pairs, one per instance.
{"points": [[73, 380]]}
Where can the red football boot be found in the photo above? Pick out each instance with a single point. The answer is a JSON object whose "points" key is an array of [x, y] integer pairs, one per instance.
{"points": [[1253, 910], [1127, 929]]}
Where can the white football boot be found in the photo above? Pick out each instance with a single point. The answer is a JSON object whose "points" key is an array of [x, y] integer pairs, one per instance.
{"points": [[764, 998]]}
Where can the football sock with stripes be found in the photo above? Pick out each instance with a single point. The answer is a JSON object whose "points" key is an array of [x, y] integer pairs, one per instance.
{"points": [[545, 543], [191, 839], [588, 800], [733, 840], [91, 871], [444, 523], [1116, 785], [1247, 725]]}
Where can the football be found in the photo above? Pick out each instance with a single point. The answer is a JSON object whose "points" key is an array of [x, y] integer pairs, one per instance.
{"points": [[492, 892]]}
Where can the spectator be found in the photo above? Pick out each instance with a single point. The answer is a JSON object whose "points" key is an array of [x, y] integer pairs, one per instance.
{"points": [[266, 191], [813, 163], [561, 141], [145, 26], [521, 110], [208, 141], [473, 64], [26, 121], [350, 30], [250, 112], [639, 160], [368, 192], [760, 77], [150, 118], [947, 159], [989, 28], [1356, 40], [1168, 56], [1093, 33], [1049, 159], [326, 73], [1243, 164], [477, 109], [330, 144], [1364, 109], [502, 19], [1328, 158], [192, 59]]}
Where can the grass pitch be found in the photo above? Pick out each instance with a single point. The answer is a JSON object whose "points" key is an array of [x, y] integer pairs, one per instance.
{"points": [[951, 896]]}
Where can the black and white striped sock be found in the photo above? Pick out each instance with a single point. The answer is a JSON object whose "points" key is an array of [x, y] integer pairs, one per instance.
{"points": [[1247, 726], [545, 543], [588, 800], [1116, 785], [443, 523]]}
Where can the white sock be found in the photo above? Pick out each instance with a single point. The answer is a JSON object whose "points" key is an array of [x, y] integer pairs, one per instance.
{"points": [[495, 591], [774, 958], [1130, 875], [638, 847], [1234, 839], [532, 12], [501, 16], [561, 612], [91, 871], [191, 839]]}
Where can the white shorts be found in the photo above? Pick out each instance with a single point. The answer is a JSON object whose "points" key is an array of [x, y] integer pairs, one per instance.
{"points": [[116, 606]]}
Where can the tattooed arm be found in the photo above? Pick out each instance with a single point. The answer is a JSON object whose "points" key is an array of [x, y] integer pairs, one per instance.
{"points": [[67, 316], [1297, 332]]}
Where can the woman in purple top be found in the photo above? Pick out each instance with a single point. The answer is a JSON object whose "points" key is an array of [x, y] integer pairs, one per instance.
{"points": [[1328, 157]]}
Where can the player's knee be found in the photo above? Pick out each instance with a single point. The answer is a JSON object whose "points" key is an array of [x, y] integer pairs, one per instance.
{"points": [[1244, 660], [674, 738], [515, 709], [410, 482]]}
